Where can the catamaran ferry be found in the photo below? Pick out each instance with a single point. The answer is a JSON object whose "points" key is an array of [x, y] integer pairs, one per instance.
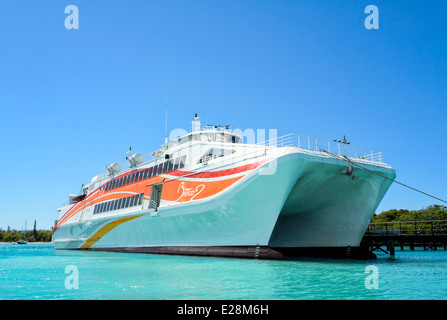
{"points": [[209, 193]]}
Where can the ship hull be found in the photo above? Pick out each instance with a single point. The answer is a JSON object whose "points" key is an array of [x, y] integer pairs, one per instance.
{"points": [[296, 201], [327, 208]]}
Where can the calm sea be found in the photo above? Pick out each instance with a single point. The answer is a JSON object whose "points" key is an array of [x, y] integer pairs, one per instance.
{"points": [[37, 271]]}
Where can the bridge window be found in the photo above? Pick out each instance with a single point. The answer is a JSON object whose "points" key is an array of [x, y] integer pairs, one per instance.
{"points": [[207, 137]]}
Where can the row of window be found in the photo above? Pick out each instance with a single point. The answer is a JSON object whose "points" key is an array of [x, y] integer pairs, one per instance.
{"points": [[147, 173], [117, 204], [224, 137], [214, 153]]}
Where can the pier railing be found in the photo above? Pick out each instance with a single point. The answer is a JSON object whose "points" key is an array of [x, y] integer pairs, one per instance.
{"points": [[408, 228], [342, 148]]}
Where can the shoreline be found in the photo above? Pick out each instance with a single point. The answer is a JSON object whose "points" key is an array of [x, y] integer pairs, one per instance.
{"points": [[15, 242]]}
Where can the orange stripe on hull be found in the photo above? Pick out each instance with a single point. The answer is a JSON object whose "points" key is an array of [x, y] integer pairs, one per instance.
{"points": [[183, 191], [173, 190]]}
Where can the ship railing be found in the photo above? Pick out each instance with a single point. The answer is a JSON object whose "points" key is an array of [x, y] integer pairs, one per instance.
{"points": [[341, 148], [402, 228], [146, 158], [294, 140]]}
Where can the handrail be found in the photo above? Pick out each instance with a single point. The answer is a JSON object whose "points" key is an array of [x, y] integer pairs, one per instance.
{"points": [[427, 227], [341, 148], [296, 140]]}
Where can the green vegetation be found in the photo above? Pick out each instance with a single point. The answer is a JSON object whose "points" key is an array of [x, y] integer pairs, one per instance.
{"points": [[30, 236], [429, 220], [433, 212]]}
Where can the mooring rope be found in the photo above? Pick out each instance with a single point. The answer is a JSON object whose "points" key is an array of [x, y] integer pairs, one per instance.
{"points": [[393, 180]]}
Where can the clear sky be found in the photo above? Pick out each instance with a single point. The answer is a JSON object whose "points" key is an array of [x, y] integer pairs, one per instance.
{"points": [[72, 101]]}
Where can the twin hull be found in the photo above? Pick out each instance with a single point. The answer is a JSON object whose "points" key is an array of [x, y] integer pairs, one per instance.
{"points": [[296, 200]]}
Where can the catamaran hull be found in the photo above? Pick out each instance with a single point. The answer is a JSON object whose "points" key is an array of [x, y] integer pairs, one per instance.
{"points": [[297, 200]]}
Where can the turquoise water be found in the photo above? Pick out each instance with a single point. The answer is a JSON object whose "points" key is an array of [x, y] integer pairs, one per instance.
{"points": [[37, 271]]}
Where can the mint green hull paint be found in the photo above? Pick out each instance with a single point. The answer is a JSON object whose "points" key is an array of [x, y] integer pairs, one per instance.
{"points": [[242, 216], [328, 209], [306, 202]]}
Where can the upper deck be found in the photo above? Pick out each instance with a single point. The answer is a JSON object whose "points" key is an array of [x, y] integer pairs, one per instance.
{"points": [[222, 137]]}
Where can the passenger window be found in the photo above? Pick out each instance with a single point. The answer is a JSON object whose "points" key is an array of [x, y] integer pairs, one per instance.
{"points": [[160, 168], [155, 171], [170, 166], [145, 173], [165, 166], [183, 162], [176, 163], [149, 173]]}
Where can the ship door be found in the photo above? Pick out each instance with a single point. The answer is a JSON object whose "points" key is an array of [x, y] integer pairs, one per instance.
{"points": [[154, 201]]}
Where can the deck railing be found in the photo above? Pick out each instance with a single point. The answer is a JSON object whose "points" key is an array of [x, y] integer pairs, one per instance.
{"points": [[341, 148], [301, 141], [430, 227]]}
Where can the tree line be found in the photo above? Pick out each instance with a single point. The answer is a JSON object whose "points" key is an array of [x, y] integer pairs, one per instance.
{"points": [[433, 212], [428, 220], [12, 235]]}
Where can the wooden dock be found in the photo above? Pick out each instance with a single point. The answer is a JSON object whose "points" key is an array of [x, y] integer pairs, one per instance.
{"points": [[429, 235]]}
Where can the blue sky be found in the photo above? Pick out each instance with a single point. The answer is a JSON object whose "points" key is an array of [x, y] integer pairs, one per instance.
{"points": [[72, 101]]}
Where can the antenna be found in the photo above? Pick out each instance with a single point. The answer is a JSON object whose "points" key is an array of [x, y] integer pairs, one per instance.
{"points": [[195, 124], [166, 125]]}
